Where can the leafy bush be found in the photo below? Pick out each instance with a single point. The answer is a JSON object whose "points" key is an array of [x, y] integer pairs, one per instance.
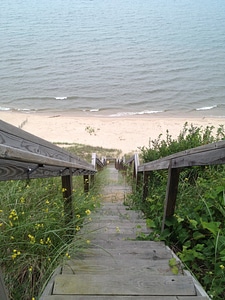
{"points": [[197, 230]]}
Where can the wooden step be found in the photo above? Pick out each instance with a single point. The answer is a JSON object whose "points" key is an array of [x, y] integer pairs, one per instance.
{"points": [[90, 297], [131, 284]]}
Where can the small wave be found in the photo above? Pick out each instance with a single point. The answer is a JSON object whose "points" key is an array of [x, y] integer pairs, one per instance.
{"points": [[5, 108], [60, 98], [206, 107], [24, 109], [91, 110], [94, 110], [145, 112]]}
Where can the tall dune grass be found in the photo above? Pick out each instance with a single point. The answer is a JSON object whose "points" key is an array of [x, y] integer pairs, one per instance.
{"points": [[33, 234]]}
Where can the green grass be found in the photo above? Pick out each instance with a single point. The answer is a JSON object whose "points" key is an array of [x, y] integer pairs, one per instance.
{"points": [[85, 151], [33, 236]]}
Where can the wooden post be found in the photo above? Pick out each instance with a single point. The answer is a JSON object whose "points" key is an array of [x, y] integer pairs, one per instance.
{"points": [[171, 193], [68, 203], [145, 185], [92, 180], [86, 183], [3, 291], [93, 162], [134, 171]]}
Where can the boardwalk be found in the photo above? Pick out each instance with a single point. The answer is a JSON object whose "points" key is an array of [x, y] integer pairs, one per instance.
{"points": [[116, 266]]}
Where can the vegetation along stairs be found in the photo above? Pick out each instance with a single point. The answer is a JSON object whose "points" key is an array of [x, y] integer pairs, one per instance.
{"points": [[117, 265]]}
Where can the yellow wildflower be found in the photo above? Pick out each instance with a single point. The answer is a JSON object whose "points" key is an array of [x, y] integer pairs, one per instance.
{"points": [[22, 200], [222, 267], [88, 212], [15, 254], [13, 215], [32, 238]]}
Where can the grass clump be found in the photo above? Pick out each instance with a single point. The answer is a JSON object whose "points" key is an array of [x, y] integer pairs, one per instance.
{"points": [[85, 151], [33, 235], [196, 231]]}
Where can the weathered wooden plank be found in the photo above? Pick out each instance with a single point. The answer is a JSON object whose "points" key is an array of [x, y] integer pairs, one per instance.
{"points": [[118, 285], [129, 254], [148, 245], [7, 152], [121, 265], [115, 297], [31, 157], [192, 298], [18, 138], [14, 170]]}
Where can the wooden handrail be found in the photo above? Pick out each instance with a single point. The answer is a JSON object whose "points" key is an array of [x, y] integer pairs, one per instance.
{"points": [[14, 154], [211, 154]]}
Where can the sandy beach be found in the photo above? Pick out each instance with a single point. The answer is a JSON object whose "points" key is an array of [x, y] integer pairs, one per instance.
{"points": [[125, 133]]}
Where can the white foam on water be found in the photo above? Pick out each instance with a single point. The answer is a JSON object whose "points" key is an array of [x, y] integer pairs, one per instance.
{"points": [[60, 98], [4, 108], [206, 107], [122, 114]]}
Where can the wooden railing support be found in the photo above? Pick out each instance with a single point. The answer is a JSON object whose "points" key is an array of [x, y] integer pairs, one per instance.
{"points": [[92, 180], [67, 190], [171, 193], [146, 176], [86, 183]]}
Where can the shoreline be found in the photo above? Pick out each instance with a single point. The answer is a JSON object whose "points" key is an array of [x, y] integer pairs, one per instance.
{"points": [[127, 133]]}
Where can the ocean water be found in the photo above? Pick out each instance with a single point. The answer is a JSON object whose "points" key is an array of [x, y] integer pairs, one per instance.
{"points": [[114, 58]]}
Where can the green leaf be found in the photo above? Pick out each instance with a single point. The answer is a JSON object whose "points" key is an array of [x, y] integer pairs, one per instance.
{"points": [[193, 223], [172, 262], [174, 266], [150, 223], [213, 227], [198, 235]]}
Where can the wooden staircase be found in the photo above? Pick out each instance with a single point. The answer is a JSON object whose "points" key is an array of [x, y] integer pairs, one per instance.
{"points": [[117, 265]]}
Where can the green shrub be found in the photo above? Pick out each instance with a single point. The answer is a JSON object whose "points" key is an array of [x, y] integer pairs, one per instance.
{"points": [[197, 229]]}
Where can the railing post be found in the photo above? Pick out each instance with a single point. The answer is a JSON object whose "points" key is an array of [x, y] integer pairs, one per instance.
{"points": [[145, 185], [93, 162], [86, 183], [67, 190], [171, 193]]}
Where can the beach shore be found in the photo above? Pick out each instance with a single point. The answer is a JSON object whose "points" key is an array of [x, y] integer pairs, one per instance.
{"points": [[125, 133]]}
